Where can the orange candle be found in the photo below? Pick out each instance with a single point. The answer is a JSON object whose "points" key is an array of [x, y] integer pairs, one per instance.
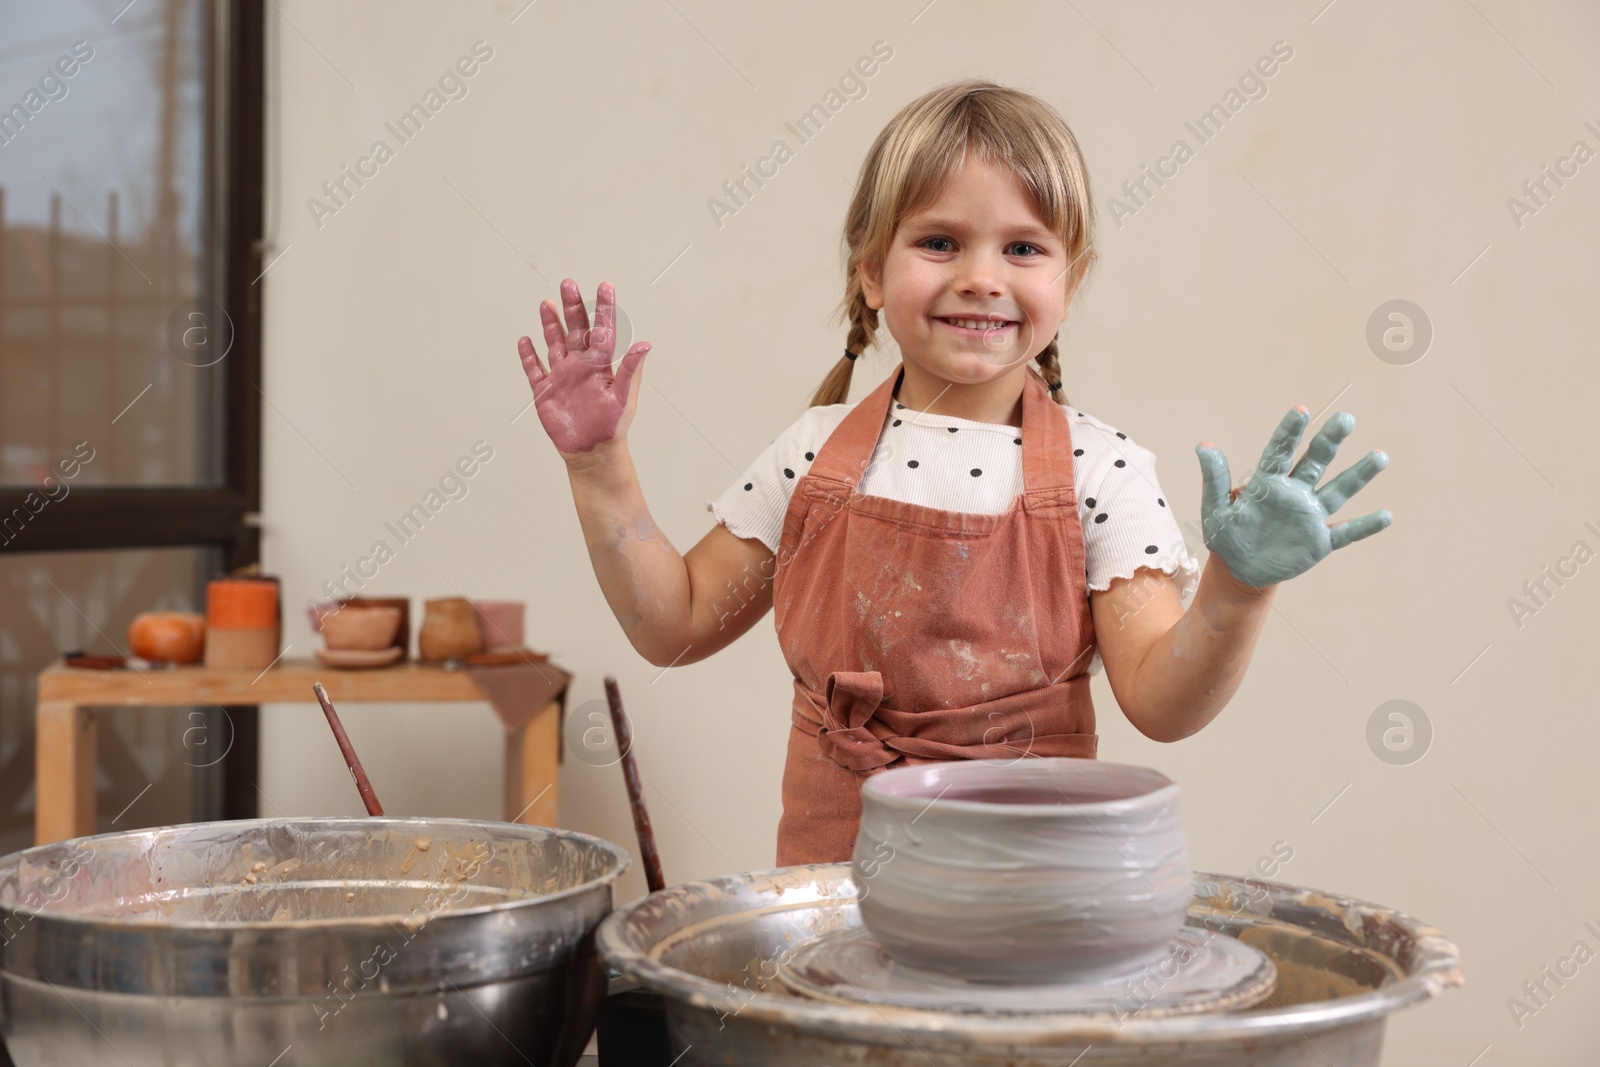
{"points": [[242, 628], [241, 604]]}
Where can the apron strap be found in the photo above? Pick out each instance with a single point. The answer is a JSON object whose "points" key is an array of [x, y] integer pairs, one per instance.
{"points": [[1047, 467], [846, 453]]}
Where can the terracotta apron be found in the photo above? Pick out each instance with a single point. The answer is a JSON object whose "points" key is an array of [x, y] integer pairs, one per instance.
{"points": [[916, 634]]}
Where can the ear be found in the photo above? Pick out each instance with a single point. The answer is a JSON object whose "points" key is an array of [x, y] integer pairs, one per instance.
{"points": [[871, 283]]}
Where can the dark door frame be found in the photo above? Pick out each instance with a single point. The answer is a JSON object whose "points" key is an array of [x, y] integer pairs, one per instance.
{"points": [[226, 515]]}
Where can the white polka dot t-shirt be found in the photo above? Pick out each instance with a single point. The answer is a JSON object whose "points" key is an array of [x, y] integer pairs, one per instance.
{"points": [[953, 464]]}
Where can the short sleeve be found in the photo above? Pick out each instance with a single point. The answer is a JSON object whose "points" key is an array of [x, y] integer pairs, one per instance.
{"points": [[754, 505], [1127, 519]]}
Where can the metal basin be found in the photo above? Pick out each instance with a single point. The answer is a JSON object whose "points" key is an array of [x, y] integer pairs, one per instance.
{"points": [[350, 941], [711, 950]]}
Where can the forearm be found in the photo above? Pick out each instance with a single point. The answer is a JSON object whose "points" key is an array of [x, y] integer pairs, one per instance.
{"points": [[644, 578], [1192, 671]]}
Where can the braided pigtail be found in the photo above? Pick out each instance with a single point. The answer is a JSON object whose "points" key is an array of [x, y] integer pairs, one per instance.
{"points": [[835, 388], [1050, 371]]}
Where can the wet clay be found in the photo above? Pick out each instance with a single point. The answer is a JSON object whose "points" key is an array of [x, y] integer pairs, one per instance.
{"points": [[1017, 795], [1040, 870], [1277, 526]]}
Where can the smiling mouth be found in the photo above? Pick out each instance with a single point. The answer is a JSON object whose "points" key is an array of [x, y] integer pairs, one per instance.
{"points": [[976, 327]]}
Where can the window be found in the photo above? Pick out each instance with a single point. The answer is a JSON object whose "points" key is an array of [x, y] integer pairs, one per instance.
{"points": [[130, 207]]}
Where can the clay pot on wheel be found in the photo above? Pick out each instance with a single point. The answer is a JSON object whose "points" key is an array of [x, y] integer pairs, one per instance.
{"points": [[449, 630], [1041, 870]]}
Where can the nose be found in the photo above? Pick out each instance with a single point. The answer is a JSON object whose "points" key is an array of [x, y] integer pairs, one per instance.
{"points": [[978, 275]]}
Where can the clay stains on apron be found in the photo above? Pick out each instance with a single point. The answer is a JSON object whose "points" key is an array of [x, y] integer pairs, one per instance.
{"points": [[911, 632]]}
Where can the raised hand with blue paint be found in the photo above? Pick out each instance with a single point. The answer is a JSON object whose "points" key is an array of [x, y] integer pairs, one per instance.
{"points": [[1276, 525]]}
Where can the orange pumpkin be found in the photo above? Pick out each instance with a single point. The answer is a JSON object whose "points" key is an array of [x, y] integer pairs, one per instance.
{"points": [[168, 636]]}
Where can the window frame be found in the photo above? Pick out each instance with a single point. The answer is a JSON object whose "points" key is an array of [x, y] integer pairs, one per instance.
{"points": [[225, 515]]}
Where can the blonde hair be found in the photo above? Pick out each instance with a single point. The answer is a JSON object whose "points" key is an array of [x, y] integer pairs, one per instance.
{"points": [[908, 166]]}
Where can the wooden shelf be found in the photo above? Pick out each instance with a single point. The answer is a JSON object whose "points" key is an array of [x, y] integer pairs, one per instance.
{"points": [[71, 698], [289, 681]]}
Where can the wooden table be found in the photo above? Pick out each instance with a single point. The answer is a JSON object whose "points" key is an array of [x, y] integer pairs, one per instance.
{"points": [[69, 697]]}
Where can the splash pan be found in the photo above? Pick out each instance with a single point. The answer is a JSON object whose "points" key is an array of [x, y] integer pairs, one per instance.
{"points": [[716, 952]]}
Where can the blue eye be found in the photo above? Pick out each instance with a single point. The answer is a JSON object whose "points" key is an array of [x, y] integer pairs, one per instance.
{"points": [[1035, 249]]}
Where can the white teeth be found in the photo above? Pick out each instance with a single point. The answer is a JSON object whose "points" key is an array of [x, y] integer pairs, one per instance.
{"points": [[978, 324]]}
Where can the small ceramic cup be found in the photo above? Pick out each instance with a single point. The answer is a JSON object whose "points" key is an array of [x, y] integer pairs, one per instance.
{"points": [[501, 623], [1041, 870]]}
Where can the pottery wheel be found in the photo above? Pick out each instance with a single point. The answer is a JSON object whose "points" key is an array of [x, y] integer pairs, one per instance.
{"points": [[1201, 971]]}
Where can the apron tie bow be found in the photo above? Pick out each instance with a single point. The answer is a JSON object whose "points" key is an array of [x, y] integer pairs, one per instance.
{"points": [[845, 735]]}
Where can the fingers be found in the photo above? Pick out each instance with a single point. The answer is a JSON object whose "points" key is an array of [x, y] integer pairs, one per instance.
{"points": [[631, 361], [555, 338], [577, 315], [530, 362], [603, 338], [1214, 481], [1349, 482], [1354, 530], [605, 308], [1323, 447], [1280, 450]]}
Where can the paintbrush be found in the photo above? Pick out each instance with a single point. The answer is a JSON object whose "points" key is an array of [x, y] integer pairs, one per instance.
{"points": [[630, 774], [368, 797]]}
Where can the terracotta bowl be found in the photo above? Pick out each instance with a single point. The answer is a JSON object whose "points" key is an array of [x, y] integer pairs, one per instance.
{"points": [[402, 637], [1040, 870], [360, 629]]}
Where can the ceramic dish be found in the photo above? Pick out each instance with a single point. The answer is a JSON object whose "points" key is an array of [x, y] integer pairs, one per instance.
{"points": [[354, 657]]}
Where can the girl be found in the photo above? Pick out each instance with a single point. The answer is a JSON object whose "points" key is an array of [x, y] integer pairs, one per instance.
{"points": [[945, 557]]}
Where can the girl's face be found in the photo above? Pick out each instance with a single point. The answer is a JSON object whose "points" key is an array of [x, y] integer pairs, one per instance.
{"points": [[980, 251]]}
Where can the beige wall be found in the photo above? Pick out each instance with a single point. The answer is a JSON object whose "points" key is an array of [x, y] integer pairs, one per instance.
{"points": [[1378, 166]]}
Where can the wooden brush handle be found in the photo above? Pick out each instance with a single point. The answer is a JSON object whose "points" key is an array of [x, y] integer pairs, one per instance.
{"points": [[368, 797]]}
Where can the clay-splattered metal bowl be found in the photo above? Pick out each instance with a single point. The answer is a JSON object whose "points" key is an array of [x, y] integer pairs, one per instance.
{"points": [[352, 941]]}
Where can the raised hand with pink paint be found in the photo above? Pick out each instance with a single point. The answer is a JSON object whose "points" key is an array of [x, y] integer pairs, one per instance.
{"points": [[580, 402], [670, 604]]}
